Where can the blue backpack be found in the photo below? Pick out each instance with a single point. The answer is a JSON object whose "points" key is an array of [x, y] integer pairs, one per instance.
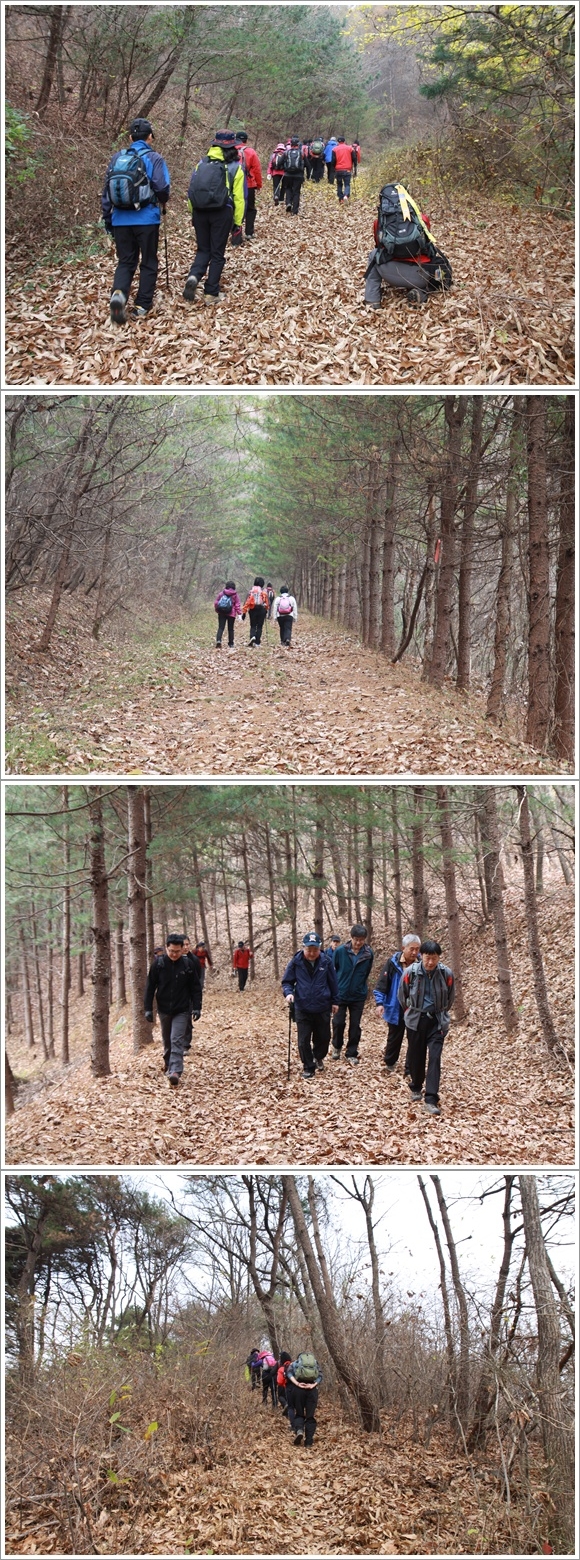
{"points": [[391, 1005], [129, 184]]}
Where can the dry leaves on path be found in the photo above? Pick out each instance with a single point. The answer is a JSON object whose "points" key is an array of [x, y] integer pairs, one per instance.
{"points": [[333, 707], [293, 310]]}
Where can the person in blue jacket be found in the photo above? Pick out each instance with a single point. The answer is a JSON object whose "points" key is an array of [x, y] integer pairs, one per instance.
{"points": [[353, 962], [386, 995], [134, 225], [328, 150], [309, 982]]}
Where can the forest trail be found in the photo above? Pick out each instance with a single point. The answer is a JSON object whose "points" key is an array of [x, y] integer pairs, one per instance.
{"points": [[293, 310], [503, 1102], [165, 702]]}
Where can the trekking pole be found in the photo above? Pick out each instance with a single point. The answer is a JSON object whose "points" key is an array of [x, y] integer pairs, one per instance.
{"points": [[167, 283], [290, 1017]]}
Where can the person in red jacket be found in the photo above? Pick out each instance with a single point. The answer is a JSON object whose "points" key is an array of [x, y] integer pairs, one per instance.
{"points": [[241, 962], [253, 174], [344, 160], [276, 171]]}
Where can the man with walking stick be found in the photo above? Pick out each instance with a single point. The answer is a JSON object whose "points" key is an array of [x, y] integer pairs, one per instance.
{"points": [[309, 982]]}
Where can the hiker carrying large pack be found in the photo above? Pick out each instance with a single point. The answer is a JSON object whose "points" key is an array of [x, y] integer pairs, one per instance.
{"points": [[135, 192], [426, 993], [275, 171], [293, 176], [386, 995], [217, 203], [316, 155], [406, 256], [304, 1378], [309, 981]]}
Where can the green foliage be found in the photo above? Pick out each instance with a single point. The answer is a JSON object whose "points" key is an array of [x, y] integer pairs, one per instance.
{"points": [[22, 161]]}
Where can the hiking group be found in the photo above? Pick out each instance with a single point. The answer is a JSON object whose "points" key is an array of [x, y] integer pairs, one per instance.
{"points": [[324, 990], [291, 1384], [261, 604], [222, 200]]}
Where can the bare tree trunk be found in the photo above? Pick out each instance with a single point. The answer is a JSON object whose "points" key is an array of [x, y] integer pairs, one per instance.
{"points": [[226, 901], [494, 880], [486, 1385], [449, 1340], [149, 921], [318, 864], [538, 721], [121, 990], [366, 1198], [9, 1087], [535, 947], [564, 621], [454, 417], [272, 904], [57, 21], [101, 934], [447, 849], [461, 1299], [369, 864], [396, 868], [467, 534], [334, 849], [65, 980], [80, 973], [50, 988], [26, 1001], [494, 709], [249, 902], [290, 877], [136, 896], [200, 897], [557, 1427], [417, 856], [389, 532]]}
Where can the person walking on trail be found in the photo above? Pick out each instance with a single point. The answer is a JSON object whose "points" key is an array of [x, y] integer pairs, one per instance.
{"points": [[386, 995], [426, 993], [356, 148], [406, 256], [203, 954], [275, 171], [135, 193], [293, 176], [316, 154], [282, 1381], [241, 962], [304, 1378], [344, 159], [353, 962], [269, 1374], [175, 981], [333, 943], [253, 170], [254, 1366], [285, 613], [309, 981], [330, 167], [228, 606], [196, 965], [271, 594], [257, 603], [217, 202]]}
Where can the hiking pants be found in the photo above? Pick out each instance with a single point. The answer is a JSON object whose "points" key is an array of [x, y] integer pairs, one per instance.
{"points": [[355, 1012], [212, 229], [331, 172], [132, 242], [317, 169], [223, 618], [313, 1038], [396, 1035], [173, 1033], [255, 1376], [343, 184], [427, 1038], [188, 1033], [250, 213], [308, 166], [396, 274], [269, 1385], [292, 185], [258, 617], [277, 187], [243, 979], [301, 1411], [285, 626]]}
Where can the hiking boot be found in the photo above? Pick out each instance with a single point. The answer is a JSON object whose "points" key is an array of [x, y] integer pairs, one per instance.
{"points": [[335, 1054], [432, 1110], [139, 313], [416, 1094], [369, 305], [298, 1439], [252, 640], [353, 1061], [320, 1066], [118, 308], [190, 288], [211, 298], [391, 1067], [174, 1080], [416, 297], [308, 1076]]}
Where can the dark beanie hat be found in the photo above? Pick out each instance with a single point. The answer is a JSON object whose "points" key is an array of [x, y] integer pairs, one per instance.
{"points": [[242, 136], [140, 129], [224, 138]]}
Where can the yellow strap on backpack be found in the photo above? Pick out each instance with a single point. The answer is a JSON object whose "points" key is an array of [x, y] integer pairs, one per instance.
{"points": [[407, 201]]}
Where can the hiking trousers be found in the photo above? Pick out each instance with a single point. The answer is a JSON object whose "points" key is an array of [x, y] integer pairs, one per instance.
{"points": [[395, 1037], [425, 1040], [317, 170], [302, 1403], [355, 1012], [269, 1385], [292, 185], [277, 187], [250, 220], [258, 617], [396, 274], [285, 626], [331, 172], [173, 1033], [212, 230], [223, 618], [131, 243], [242, 979], [313, 1037], [343, 184]]}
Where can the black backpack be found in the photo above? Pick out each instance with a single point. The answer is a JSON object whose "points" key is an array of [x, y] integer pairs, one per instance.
{"points": [[293, 160], [129, 184], [400, 237], [210, 185]]}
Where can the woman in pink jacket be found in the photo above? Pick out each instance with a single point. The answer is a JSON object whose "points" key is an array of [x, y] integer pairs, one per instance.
{"points": [[228, 606]]}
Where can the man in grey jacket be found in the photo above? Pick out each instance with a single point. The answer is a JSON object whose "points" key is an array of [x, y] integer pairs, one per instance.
{"points": [[426, 994]]}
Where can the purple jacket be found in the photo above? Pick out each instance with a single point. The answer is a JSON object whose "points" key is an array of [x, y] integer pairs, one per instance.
{"points": [[235, 600]]}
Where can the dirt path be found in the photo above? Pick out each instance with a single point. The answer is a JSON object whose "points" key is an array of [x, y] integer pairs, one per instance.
{"points": [[503, 1102], [167, 703], [293, 310]]}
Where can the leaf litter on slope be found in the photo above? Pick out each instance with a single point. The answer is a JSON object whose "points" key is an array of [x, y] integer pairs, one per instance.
{"points": [[293, 308]]}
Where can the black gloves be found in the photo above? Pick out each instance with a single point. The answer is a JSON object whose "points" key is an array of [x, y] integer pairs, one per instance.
{"points": [[195, 1017], [237, 236], [149, 1017]]}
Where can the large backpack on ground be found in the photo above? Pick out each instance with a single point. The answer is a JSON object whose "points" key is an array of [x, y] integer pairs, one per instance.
{"points": [[306, 1368], [316, 147], [293, 160], [400, 232], [210, 185], [285, 606], [129, 184]]}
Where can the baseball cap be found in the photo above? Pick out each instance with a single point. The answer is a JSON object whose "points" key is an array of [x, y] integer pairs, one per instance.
{"points": [[312, 940]]}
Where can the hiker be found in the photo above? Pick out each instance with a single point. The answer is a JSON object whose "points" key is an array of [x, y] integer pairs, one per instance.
{"points": [[426, 994], [227, 614], [241, 962], [330, 167], [276, 171], [282, 1381], [344, 160], [135, 192], [271, 594], [316, 154], [257, 603], [386, 995], [196, 965], [309, 981], [175, 982], [202, 953], [285, 612], [253, 1364], [333, 943], [269, 1374], [304, 1378], [406, 257], [356, 148], [253, 170], [353, 962], [293, 176], [217, 203]]}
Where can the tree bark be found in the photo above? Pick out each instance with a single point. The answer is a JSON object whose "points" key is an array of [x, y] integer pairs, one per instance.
{"points": [[494, 880], [486, 1385], [462, 1389], [447, 849], [538, 719], [57, 20], [417, 858], [121, 990], [449, 1339], [65, 978], [101, 934], [389, 532], [136, 896], [249, 903], [467, 537], [557, 1427], [564, 620], [318, 864], [540, 987], [396, 868], [435, 672], [9, 1087], [495, 698], [149, 922], [272, 893]]}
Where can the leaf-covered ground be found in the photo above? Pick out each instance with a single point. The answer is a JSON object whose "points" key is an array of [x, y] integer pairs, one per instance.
{"points": [[165, 702], [503, 1102], [293, 308]]}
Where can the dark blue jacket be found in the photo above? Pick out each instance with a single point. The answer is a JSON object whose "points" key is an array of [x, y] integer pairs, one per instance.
{"points": [[159, 180], [353, 970], [312, 984]]}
